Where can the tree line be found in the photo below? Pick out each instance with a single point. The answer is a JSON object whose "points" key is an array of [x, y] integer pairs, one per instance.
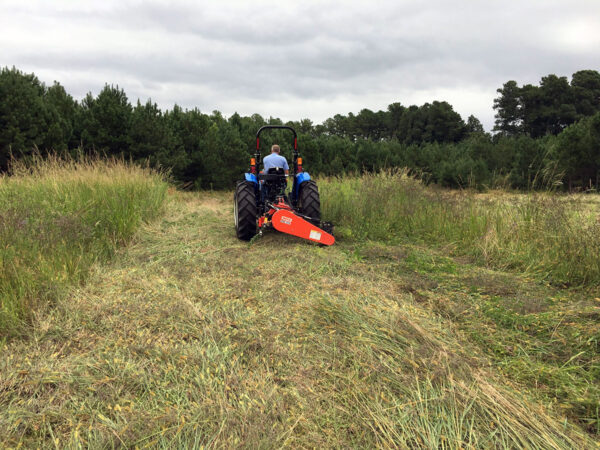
{"points": [[541, 132]]}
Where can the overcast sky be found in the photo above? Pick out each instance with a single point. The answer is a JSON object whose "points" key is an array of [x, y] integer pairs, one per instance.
{"points": [[301, 59]]}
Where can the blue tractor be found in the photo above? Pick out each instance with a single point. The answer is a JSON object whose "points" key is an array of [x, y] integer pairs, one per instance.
{"points": [[262, 201]]}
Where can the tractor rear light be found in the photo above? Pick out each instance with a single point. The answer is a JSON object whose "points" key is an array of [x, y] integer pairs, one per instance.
{"points": [[252, 165], [299, 164]]}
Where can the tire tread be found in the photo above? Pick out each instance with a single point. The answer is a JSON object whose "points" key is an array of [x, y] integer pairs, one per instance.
{"points": [[246, 205], [310, 203]]}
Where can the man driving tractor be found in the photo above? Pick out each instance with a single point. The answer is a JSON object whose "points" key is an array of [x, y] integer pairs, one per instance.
{"points": [[275, 160], [261, 200]]}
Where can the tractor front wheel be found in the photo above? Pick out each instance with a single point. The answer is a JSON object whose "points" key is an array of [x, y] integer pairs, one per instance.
{"points": [[309, 201], [244, 210]]}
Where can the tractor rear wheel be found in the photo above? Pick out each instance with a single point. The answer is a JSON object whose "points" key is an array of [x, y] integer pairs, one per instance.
{"points": [[244, 210], [309, 201]]}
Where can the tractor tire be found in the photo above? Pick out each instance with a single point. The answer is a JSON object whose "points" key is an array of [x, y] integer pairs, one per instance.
{"points": [[309, 201], [244, 210]]}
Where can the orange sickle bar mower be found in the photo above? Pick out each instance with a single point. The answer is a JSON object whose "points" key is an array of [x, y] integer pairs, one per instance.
{"points": [[281, 217], [262, 202]]}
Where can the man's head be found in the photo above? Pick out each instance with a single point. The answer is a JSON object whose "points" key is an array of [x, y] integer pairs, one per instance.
{"points": [[275, 149]]}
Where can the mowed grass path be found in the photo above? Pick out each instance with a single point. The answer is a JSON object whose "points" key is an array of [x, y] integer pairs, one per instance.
{"points": [[191, 338]]}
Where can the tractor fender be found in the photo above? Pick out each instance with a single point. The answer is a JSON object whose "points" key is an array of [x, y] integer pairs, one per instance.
{"points": [[300, 178], [251, 178]]}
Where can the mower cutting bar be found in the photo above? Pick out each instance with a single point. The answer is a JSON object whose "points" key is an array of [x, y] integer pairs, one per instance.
{"points": [[288, 222]]}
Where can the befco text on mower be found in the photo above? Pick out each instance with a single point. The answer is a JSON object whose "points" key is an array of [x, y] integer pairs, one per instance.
{"points": [[261, 201]]}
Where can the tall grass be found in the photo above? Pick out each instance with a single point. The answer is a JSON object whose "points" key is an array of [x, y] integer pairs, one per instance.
{"points": [[208, 345], [556, 237], [57, 218]]}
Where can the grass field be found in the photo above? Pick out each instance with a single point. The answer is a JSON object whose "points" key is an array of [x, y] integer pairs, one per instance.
{"points": [[191, 338], [553, 237], [539, 320], [58, 218]]}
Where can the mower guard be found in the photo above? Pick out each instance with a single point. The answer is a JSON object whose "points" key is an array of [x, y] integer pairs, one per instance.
{"points": [[286, 221]]}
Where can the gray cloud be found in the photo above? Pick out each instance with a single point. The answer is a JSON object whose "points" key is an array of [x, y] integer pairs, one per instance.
{"points": [[301, 59]]}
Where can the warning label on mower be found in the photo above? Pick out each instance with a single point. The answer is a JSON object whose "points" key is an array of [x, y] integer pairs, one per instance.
{"points": [[286, 220], [315, 235]]}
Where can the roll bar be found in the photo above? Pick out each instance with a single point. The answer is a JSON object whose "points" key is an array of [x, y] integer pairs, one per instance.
{"points": [[279, 127]]}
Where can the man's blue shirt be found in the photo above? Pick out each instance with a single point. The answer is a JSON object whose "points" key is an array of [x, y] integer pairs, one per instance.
{"points": [[274, 160]]}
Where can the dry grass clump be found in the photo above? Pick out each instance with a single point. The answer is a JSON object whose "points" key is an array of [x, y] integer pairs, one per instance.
{"points": [[57, 217]]}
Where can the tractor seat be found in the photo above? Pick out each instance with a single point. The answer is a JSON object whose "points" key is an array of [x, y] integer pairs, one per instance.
{"points": [[273, 174], [276, 171], [275, 183]]}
